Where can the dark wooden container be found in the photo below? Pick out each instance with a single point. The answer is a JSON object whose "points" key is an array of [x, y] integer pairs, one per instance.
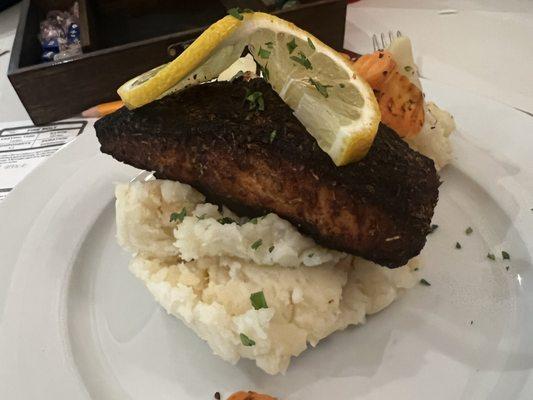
{"points": [[123, 38]]}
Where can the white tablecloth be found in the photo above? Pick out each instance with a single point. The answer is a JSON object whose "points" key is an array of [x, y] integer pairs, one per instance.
{"points": [[484, 46], [11, 109]]}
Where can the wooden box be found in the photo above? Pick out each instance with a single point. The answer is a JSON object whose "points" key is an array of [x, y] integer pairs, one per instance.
{"points": [[123, 38]]}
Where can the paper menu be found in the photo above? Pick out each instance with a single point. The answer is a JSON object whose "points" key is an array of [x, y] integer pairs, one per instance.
{"points": [[23, 147]]}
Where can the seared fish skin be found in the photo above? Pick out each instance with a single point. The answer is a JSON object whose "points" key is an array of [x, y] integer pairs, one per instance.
{"points": [[256, 161]]}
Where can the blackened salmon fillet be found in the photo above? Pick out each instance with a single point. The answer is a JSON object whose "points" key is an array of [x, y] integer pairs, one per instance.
{"points": [[256, 161]]}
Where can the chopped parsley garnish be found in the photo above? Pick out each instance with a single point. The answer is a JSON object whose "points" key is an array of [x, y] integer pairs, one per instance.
{"points": [[270, 45], [424, 282], [310, 43], [253, 221], [226, 220], [311, 255], [258, 300], [263, 53], [237, 12], [408, 68], [273, 135], [505, 255], [201, 217], [178, 216], [322, 89], [457, 245], [432, 228], [255, 245], [271, 249], [246, 341], [469, 230], [491, 256], [256, 100], [264, 70], [416, 269], [342, 85], [237, 75], [291, 45], [302, 60]]}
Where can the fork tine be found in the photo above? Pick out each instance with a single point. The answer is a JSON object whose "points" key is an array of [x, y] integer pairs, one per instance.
{"points": [[375, 42]]}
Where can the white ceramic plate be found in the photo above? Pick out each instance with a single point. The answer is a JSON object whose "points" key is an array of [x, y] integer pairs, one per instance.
{"points": [[75, 324]]}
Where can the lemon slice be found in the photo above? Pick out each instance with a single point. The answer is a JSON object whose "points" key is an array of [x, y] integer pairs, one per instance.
{"points": [[335, 105]]}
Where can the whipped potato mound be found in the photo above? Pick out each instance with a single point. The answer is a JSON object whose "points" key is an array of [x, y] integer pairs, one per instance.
{"points": [[433, 140], [202, 264]]}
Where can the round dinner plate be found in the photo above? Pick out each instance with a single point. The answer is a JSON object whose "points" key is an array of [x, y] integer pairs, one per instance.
{"points": [[76, 324]]}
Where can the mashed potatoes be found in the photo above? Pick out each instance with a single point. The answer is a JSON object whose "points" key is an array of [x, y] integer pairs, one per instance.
{"points": [[433, 139], [202, 268]]}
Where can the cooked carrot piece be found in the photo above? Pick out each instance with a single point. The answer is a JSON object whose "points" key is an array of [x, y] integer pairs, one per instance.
{"points": [[401, 103], [250, 396]]}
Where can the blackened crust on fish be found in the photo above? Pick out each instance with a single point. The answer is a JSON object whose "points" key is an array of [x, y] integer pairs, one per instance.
{"points": [[379, 208]]}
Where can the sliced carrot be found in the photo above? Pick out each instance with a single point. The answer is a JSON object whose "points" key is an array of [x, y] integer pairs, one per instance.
{"points": [[401, 103], [250, 396], [375, 68]]}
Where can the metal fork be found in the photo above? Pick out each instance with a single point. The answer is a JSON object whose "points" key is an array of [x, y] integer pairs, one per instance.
{"points": [[375, 40]]}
